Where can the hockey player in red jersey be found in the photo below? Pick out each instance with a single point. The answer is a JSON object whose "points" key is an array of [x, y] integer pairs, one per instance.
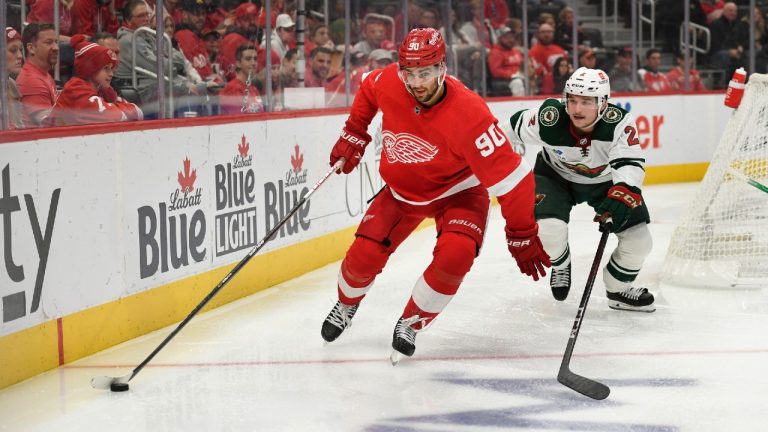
{"points": [[88, 97], [443, 151]]}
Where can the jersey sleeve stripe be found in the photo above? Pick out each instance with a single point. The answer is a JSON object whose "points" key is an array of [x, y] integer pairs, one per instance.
{"points": [[617, 165], [512, 180]]}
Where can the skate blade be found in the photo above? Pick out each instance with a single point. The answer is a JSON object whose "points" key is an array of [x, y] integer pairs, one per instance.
{"points": [[623, 307], [395, 357]]}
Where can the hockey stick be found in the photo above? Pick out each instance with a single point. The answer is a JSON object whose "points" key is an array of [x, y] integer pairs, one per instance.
{"points": [[581, 384], [105, 382], [750, 181]]}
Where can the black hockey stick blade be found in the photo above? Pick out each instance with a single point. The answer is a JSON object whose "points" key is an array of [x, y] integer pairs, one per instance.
{"points": [[583, 385]]}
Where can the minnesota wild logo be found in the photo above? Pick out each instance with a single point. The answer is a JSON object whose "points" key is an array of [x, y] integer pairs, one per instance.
{"points": [[584, 170], [549, 116], [612, 115]]}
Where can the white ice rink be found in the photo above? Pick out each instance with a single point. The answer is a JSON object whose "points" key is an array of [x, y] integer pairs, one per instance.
{"points": [[489, 362]]}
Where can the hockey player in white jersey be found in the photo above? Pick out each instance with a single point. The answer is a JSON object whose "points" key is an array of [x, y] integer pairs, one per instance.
{"points": [[590, 153]]}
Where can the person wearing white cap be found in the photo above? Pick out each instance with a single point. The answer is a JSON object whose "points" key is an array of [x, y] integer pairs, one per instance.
{"points": [[283, 34]]}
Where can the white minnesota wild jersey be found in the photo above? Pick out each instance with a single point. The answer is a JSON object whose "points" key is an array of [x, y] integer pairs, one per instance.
{"points": [[610, 152]]}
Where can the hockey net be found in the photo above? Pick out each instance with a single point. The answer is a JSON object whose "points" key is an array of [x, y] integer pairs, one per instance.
{"points": [[723, 240]]}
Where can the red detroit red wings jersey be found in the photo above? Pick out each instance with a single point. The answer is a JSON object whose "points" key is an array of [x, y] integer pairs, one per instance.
{"points": [[80, 103], [432, 153]]}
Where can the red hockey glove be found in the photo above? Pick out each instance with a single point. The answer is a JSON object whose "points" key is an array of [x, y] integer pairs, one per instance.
{"points": [[618, 205], [526, 247], [351, 148], [108, 94]]}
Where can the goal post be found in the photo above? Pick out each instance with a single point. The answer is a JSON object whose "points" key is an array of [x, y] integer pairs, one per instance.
{"points": [[722, 241]]}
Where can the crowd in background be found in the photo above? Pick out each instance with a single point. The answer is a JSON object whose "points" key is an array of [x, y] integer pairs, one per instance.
{"points": [[216, 57]]}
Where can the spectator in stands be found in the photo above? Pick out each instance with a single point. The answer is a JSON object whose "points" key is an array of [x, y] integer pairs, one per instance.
{"points": [[318, 36], [36, 85], [553, 82], [505, 62], [41, 11], [497, 12], [93, 16], [318, 67], [415, 8], [621, 74], [189, 36], [653, 79], [88, 97], [546, 51], [283, 36], [107, 40], [261, 78], [216, 16], [240, 95], [725, 51], [761, 33], [429, 19], [544, 18], [467, 55], [244, 31], [211, 38], [375, 28], [336, 88], [137, 15], [289, 77], [712, 9], [587, 58], [13, 64], [564, 30], [676, 76], [477, 30]]}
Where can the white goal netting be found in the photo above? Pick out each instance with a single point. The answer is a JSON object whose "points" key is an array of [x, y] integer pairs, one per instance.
{"points": [[723, 239]]}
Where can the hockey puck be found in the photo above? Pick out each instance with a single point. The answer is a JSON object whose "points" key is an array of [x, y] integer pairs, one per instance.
{"points": [[118, 387]]}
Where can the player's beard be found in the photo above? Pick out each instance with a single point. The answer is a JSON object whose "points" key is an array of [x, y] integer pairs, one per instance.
{"points": [[424, 94]]}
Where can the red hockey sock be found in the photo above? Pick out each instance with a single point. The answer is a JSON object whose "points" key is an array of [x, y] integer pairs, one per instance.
{"points": [[452, 259], [364, 260]]}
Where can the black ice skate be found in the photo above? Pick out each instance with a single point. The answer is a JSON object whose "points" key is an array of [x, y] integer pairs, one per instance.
{"points": [[560, 282], [404, 338], [337, 321], [631, 299]]}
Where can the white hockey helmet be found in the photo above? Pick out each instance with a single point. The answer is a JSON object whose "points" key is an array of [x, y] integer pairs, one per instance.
{"points": [[589, 82]]}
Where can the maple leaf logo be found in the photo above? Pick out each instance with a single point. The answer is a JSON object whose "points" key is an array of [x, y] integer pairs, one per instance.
{"points": [[187, 178], [243, 147], [297, 159]]}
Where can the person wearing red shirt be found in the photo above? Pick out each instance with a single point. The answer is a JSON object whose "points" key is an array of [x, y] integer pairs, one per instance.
{"points": [[318, 67], [36, 85], [240, 94], [546, 51], [443, 152], [654, 80], [245, 31], [505, 61], [676, 76], [190, 42], [88, 97], [89, 15]]}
